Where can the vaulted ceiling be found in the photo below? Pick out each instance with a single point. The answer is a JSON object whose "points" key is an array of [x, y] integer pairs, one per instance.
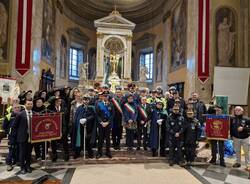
{"points": [[137, 11]]}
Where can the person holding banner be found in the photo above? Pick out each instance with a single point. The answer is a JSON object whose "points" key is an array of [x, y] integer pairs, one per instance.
{"points": [[157, 129], [105, 113], [130, 113], [217, 143], [240, 133], [117, 125], [39, 108], [142, 123], [22, 125], [175, 129], [84, 118], [57, 107]]}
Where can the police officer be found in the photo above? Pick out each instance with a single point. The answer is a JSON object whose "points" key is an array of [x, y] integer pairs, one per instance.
{"points": [[191, 136], [175, 128], [104, 112], [117, 123]]}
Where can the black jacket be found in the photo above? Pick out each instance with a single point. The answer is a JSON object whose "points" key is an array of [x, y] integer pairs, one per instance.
{"points": [[21, 126], [192, 130], [237, 122]]}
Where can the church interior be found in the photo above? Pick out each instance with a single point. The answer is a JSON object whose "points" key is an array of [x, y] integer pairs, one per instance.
{"points": [[197, 46]]}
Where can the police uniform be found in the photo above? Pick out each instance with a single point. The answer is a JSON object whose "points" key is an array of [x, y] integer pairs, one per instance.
{"points": [[191, 136], [104, 112], [175, 124]]}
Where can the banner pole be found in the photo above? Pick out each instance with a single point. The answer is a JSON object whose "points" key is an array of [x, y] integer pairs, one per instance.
{"points": [[84, 142], [45, 161], [159, 136]]}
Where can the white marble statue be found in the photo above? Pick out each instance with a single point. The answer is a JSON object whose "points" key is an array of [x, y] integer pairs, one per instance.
{"points": [[225, 43], [143, 73], [83, 68], [3, 28]]}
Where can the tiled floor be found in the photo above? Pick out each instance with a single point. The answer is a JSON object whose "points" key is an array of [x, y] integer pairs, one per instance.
{"points": [[215, 174]]}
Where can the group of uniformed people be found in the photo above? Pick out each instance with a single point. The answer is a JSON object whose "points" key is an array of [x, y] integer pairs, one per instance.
{"points": [[152, 120]]}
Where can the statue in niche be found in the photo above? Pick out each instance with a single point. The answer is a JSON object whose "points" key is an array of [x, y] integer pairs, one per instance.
{"points": [[3, 29], [159, 63], [143, 73], [225, 37], [63, 57], [107, 69], [83, 68]]}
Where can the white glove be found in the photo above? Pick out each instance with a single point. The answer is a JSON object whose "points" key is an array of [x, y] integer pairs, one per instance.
{"points": [[83, 121], [159, 121]]}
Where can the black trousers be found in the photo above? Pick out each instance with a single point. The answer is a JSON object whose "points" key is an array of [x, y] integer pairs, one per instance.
{"points": [[104, 134], [117, 135], [175, 150], [190, 151], [39, 149], [64, 141], [214, 148], [142, 135], [88, 145], [130, 135], [25, 150]]}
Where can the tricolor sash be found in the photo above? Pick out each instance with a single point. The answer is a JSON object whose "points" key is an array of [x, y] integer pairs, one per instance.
{"points": [[143, 112], [117, 105], [129, 108]]}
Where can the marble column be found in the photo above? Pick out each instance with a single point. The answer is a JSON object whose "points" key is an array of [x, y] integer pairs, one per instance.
{"points": [[128, 56], [99, 57]]}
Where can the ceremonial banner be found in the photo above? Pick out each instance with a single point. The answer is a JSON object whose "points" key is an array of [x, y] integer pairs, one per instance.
{"points": [[46, 127], [8, 89], [203, 41], [24, 25], [217, 127]]}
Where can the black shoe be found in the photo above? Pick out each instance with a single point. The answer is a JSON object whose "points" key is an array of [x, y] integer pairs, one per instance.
{"points": [[66, 158], [76, 155], [23, 171], [171, 163], [109, 155], [182, 163], [162, 154], [222, 164], [154, 154], [99, 155], [138, 148], [212, 161], [236, 165], [118, 147], [9, 167], [145, 148], [54, 158], [29, 169]]}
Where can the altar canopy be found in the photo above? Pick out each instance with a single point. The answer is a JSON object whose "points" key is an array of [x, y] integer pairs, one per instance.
{"points": [[114, 48]]}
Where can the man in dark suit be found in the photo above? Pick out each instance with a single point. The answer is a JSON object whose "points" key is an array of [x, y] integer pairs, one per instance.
{"points": [[105, 113], [22, 125]]}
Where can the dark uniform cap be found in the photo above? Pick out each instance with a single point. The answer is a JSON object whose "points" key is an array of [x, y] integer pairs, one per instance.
{"points": [[38, 98]]}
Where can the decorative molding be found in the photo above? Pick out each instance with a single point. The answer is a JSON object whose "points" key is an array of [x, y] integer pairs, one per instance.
{"points": [[77, 35]]}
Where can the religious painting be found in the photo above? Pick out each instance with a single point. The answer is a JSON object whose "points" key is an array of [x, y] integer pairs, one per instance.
{"points": [[63, 57], [159, 62], [225, 37], [48, 30], [4, 15], [92, 63], [179, 35]]}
